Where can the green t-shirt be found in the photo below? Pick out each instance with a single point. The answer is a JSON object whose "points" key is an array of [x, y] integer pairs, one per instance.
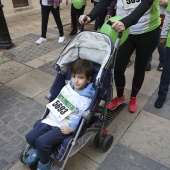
{"points": [[168, 37]]}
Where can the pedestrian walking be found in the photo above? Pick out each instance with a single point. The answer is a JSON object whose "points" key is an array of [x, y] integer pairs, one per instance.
{"points": [[52, 6], [75, 14], [161, 50], [165, 76]]}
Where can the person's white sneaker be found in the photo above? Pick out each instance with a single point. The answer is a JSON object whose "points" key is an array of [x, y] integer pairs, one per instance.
{"points": [[61, 39], [40, 40]]}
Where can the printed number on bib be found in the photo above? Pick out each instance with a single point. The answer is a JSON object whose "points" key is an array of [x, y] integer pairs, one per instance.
{"points": [[131, 4], [61, 107]]}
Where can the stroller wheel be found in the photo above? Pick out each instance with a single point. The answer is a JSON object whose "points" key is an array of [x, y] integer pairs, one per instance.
{"points": [[107, 142], [24, 153], [21, 156], [96, 140]]}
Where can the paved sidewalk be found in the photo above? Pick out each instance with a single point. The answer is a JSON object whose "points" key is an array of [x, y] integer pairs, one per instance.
{"points": [[141, 140]]}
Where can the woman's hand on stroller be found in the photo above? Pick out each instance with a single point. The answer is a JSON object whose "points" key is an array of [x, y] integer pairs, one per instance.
{"points": [[66, 129], [118, 26], [84, 19]]}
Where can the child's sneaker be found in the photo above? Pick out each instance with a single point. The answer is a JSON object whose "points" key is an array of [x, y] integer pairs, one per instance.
{"points": [[40, 40], [133, 105], [46, 166], [116, 102], [61, 39], [32, 158]]}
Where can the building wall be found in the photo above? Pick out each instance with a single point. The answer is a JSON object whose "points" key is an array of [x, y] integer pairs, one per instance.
{"points": [[9, 8]]}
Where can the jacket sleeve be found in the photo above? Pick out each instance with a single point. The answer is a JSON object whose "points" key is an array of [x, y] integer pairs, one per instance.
{"points": [[74, 124], [111, 7], [57, 2], [83, 107], [100, 6], [166, 24]]}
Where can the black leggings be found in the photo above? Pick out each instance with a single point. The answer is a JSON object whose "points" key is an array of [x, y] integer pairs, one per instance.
{"points": [[45, 11], [75, 14], [144, 44]]}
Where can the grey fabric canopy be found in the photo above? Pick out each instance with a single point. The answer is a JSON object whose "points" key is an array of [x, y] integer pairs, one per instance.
{"points": [[92, 46]]}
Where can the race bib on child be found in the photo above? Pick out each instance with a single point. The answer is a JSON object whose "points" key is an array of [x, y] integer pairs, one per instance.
{"points": [[131, 4], [61, 107]]}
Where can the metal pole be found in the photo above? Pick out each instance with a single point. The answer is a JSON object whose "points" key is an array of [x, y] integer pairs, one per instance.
{"points": [[5, 39]]}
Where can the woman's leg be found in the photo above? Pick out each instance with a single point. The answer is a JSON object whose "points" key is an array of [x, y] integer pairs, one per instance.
{"points": [[56, 15], [145, 45], [74, 14], [45, 10], [123, 56]]}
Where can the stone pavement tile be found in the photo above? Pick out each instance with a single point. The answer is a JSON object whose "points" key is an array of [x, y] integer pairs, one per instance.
{"points": [[35, 63], [3, 163], [149, 85], [11, 70], [49, 68], [17, 116], [26, 50], [41, 98], [53, 56], [149, 135], [32, 83], [116, 128], [162, 112], [76, 162], [44, 59], [81, 162], [124, 158]]}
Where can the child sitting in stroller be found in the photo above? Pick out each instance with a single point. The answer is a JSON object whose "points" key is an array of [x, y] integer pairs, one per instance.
{"points": [[65, 114]]}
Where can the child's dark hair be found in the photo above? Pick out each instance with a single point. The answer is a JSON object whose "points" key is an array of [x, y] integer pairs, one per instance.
{"points": [[82, 66]]}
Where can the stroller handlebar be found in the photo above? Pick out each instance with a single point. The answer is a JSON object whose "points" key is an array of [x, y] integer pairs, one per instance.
{"points": [[111, 23]]}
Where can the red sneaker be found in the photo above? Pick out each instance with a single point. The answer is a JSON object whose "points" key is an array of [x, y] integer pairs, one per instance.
{"points": [[116, 102], [133, 105]]}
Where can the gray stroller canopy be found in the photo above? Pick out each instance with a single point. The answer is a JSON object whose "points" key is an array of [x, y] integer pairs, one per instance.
{"points": [[92, 46]]}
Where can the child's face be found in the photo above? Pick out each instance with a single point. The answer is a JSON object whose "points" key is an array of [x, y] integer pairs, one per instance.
{"points": [[79, 81]]}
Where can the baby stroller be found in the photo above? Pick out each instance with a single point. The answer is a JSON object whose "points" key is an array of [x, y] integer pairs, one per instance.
{"points": [[97, 48]]}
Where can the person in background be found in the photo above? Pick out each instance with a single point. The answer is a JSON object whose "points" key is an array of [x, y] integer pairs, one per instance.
{"points": [[165, 76], [52, 6], [111, 10], [161, 50], [75, 14], [143, 38], [100, 19]]}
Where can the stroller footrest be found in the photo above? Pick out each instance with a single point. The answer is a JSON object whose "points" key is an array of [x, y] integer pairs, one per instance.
{"points": [[111, 114]]}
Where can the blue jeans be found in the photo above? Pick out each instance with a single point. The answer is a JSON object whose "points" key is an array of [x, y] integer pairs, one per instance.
{"points": [[165, 76], [161, 51]]}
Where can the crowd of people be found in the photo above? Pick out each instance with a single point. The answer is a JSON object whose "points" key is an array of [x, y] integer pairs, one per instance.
{"points": [[53, 6], [143, 39]]}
